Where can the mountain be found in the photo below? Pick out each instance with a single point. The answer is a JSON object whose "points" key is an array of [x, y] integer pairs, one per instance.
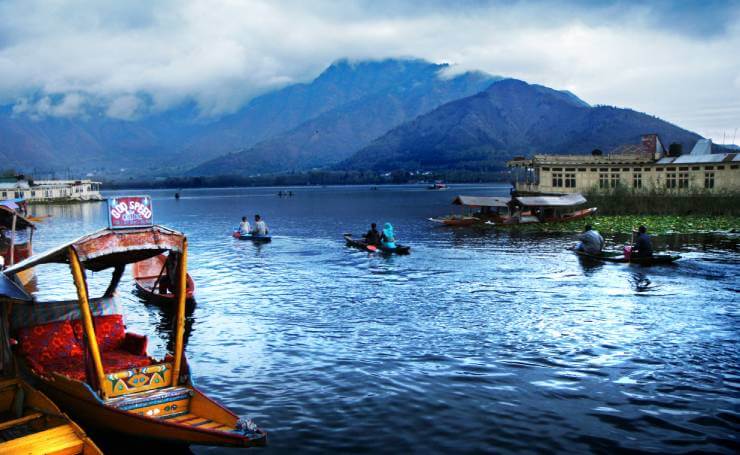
{"points": [[352, 118], [334, 104], [509, 118]]}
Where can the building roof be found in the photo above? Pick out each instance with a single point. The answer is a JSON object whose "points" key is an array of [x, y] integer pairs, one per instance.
{"points": [[481, 201], [565, 200]]}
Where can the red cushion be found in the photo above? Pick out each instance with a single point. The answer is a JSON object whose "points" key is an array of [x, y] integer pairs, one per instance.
{"points": [[49, 341], [109, 330], [74, 367]]}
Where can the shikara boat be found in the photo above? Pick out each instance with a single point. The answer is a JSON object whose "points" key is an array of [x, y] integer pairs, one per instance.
{"points": [[438, 185], [19, 245], [546, 209], [79, 353], [153, 280], [614, 256], [476, 210], [362, 245], [253, 237], [30, 423]]}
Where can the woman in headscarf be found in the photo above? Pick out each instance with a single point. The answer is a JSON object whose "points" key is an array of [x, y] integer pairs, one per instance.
{"points": [[388, 238]]}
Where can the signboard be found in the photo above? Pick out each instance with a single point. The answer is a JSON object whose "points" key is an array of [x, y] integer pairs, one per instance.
{"points": [[130, 212]]}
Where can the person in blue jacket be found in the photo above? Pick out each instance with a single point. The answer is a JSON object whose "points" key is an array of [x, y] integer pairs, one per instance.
{"points": [[388, 237]]}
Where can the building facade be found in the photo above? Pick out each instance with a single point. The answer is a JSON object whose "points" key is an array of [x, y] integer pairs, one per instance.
{"points": [[49, 190], [644, 167]]}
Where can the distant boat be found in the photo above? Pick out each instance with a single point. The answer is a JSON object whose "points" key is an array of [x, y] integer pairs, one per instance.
{"points": [[253, 237], [438, 185], [148, 277]]}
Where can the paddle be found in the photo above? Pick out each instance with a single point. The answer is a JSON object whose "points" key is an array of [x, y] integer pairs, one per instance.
{"points": [[372, 248]]}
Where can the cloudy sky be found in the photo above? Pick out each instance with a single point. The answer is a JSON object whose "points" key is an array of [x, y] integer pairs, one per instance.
{"points": [[677, 60]]}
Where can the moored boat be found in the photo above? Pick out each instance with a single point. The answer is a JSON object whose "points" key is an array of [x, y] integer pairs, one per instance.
{"points": [[253, 237], [19, 244], [30, 424], [362, 245], [455, 220], [614, 256], [96, 370], [155, 280], [546, 209], [476, 210]]}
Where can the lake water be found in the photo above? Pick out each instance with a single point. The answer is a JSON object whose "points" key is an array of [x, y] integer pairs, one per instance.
{"points": [[478, 341]]}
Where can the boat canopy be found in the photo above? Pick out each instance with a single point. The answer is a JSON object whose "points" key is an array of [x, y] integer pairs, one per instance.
{"points": [[565, 200], [481, 201], [11, 290], [108, 248], [6, 219]]}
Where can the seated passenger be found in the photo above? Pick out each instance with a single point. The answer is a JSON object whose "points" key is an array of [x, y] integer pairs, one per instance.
{"points": [[591, 241], [388, 238], [643, 246], [244, 227], [260, 227], [373, 236]]}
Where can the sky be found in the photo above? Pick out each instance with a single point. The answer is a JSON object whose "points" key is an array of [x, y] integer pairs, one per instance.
{"points": [[678, 60]]}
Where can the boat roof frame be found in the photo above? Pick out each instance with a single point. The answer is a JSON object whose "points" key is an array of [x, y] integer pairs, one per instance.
{"points": [[107, 248]]}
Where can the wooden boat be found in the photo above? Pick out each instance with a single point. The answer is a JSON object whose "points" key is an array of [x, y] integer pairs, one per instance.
{"points": [[356, 243], [546, 209], [148, 277], [20, 244], [30, 423], [614, 256], [253, 237], [453, 220], [102, 375], [476, 210]]}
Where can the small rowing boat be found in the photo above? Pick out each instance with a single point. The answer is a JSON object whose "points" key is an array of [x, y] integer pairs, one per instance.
{"points": [[359, 244], [614, 256], [30, 423], [253, 237], [153, 280], [454, 220]]}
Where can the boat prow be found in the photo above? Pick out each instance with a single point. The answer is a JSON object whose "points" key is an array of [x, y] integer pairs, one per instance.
{"points": [[149, 276]]}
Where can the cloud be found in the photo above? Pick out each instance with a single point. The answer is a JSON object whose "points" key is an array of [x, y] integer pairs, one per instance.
{"points": [[128, 59]]}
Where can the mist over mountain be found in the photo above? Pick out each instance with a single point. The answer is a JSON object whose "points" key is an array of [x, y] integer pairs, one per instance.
{"points": [[510, 118], [401, 91], [369, 115]]}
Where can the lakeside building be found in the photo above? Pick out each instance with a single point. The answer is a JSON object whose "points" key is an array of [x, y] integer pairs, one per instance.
{"points": [[644, 167], [49, 190]]}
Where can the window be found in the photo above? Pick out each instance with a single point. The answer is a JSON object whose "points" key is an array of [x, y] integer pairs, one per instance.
{"points": [[5, 194], [614, 182], [593, 169], [695, 168], [734, 166], [626, 169], [603, 180], [545, 168], [709, 168], [637, 180], [33, 194], [683, 179], [581, 169], [557, 179], [570, 180], [709, 180], [720, 168], [670, 180]]}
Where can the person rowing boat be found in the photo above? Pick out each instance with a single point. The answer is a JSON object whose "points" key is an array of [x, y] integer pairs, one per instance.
{"points": [[373, 236]]}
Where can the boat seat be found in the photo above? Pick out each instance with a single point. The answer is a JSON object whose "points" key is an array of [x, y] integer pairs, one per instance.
{"points": [[54, 347]]}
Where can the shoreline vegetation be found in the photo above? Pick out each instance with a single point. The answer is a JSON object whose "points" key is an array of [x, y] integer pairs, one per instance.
{"points": [[625, 224]]}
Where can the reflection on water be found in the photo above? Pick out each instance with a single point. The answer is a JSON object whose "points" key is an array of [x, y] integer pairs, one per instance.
{"points": [[478, 341]]}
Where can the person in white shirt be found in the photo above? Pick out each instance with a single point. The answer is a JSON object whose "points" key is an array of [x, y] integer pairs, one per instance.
{"points": [[244, 227], [260, 227]]}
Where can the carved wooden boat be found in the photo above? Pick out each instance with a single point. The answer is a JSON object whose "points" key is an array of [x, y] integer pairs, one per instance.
{"points": [[106, 379], [148, 276], [30, 423]]}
